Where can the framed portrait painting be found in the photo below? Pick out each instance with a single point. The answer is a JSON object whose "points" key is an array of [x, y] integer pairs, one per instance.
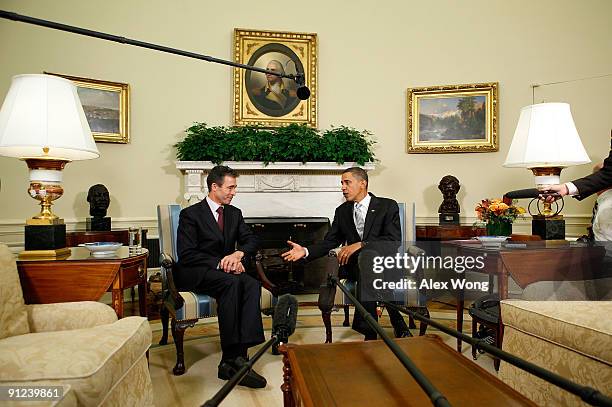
{"points": [[269, 100], [453, 119], [106, 106]]}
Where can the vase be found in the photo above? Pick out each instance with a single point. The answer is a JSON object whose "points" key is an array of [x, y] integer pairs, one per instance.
{"points": [[499, 228]]}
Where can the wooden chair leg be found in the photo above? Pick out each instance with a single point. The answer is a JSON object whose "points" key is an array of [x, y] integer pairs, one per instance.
{"points": [[499, 337], [164, 316], [178, 332], [474, 332], [423, 326], [346, 316], [328, 328]]}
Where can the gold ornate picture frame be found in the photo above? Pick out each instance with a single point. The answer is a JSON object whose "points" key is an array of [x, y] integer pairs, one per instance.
{"points": [[453, 118], [268, 102], [106, 106]]}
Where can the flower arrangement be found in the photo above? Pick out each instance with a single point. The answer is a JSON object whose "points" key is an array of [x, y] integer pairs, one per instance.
{"points": [[498, 216], [495, 210]]}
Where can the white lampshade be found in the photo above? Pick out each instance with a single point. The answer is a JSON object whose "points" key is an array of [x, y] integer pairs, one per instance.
{"points": [[45, 112], [546, 136]]}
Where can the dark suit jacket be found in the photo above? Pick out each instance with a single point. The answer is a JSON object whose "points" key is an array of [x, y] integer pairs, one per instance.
{"points": [[595, 182], [201, 245], [382, 223]]}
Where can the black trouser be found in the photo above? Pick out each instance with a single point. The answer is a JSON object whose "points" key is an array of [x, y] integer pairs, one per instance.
{"points": [[360, 325], [238, 310], [351, 271]]}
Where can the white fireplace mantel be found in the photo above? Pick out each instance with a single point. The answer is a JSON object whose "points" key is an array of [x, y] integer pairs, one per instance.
{"points": [[288, 189]]}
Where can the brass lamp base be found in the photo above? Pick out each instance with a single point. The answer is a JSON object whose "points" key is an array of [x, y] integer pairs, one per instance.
{"points": [[46, 187]]}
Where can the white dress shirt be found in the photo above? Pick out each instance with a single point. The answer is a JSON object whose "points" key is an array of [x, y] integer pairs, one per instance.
{"points": [[364, 206], [213, 207]]}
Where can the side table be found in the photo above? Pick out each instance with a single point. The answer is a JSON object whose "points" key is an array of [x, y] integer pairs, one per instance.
{"points": [[83, 277]]}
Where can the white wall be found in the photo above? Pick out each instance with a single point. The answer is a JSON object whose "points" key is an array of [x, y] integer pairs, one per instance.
{"points": [[369, 54]]}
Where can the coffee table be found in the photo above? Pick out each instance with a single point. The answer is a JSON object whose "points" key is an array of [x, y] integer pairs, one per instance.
{"points": [[368, 374]]}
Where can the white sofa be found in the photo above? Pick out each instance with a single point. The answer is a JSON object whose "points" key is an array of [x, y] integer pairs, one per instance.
{"points": [[570, 338], [99, 360]]}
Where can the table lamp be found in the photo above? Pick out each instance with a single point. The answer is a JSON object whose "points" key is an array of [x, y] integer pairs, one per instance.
{"points": [[546, 141], [42, 122]]}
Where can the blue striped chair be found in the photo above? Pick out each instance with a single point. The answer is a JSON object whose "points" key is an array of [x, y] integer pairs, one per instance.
{"points": [[182, 307], [408, 227]]}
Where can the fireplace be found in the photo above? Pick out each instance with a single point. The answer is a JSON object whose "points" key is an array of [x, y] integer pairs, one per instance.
{"points": [[273, 232]]}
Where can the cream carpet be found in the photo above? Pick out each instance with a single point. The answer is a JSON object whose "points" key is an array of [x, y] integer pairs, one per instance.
{"points": [[203, 352]]}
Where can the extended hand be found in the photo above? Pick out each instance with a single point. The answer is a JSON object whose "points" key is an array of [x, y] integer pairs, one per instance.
{"points": [[231, 263], [296, 252], [346, 252], [558, 191]]}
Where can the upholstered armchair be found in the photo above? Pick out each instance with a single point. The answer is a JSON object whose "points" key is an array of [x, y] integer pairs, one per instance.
{"points": [[81, 346], [408, 228], [183, 308]]}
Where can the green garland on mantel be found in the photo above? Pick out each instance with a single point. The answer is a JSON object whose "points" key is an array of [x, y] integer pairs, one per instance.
{"points": [[297, 143]]}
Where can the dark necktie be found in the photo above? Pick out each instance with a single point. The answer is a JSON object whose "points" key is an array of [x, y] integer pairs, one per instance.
{"points": [[220, 218]]}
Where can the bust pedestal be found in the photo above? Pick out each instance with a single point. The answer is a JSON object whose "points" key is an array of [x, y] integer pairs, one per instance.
{"points": [[449, 219], [98, 223]]}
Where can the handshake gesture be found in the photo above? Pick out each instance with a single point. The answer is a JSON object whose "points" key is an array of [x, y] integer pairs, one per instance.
{"points": [[298, 252]]}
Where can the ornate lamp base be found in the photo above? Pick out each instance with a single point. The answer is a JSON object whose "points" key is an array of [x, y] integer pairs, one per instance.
{"points": [[548, 228]]}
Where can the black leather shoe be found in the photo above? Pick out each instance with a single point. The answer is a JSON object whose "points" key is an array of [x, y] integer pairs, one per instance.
{"points": [[252, 379]]}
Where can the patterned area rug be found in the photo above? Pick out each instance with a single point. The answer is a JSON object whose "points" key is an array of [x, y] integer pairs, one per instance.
{"points": [[203, 352]]}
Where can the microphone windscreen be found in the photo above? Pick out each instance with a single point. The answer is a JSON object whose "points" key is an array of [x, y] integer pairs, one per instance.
{"points": [[523, 193], [302, 93], [285, 315]]}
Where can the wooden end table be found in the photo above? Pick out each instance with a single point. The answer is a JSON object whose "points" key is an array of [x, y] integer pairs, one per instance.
{"points": [[83, 277]]}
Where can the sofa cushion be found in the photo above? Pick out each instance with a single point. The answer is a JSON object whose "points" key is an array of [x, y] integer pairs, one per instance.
{"points": [[577, 325], [13, 314], [90, 360]]}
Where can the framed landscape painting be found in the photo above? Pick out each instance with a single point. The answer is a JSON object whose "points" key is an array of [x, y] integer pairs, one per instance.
{"points": [[453, 119], [106, 106], [268, 100]]}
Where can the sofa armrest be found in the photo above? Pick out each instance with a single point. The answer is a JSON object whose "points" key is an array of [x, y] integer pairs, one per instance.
{"points": [[69, 315]]}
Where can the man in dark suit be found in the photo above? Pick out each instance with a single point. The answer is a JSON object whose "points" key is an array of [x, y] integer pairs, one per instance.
{"points": [[363, 219], [587, 186], [209, 263]]}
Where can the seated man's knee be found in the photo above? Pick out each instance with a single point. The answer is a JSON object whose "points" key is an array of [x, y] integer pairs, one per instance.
{"points": [[249, 282]]}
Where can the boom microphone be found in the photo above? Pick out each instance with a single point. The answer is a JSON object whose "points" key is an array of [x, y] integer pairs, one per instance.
{"points": [[527, 193], [523, 193], [283, 325]]}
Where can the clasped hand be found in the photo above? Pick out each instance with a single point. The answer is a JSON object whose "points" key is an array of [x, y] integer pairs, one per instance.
{"points": [[232, 263]]}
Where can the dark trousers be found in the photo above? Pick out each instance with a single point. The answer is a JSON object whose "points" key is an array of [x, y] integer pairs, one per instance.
{"points": [[360, 324], [359, 269], [239, 316]]}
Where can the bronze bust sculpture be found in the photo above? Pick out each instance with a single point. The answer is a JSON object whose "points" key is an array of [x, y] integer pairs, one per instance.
{"points": [[99, 201], [449, 209]]}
